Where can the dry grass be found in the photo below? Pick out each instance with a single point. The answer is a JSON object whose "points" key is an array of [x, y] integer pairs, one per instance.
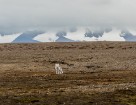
{"points": [[95, 73]]}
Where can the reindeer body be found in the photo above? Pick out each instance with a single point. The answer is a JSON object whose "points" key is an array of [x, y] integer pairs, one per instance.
{"points": [[58, 69]]}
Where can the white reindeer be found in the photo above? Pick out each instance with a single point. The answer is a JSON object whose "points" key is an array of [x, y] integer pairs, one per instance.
{"points": [[58, 69]]}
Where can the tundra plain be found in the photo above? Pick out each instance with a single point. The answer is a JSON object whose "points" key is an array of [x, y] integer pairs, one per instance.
{"points": [[95, 73]]}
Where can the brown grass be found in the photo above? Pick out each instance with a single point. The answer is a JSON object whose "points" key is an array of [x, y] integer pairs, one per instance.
{"points": [[95, 73]]}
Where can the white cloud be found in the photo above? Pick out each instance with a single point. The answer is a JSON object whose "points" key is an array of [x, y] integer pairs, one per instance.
{"points": [[22, 15]]}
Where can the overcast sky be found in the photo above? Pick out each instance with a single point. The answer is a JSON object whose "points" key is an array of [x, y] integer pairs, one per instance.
{"points": [[22, 15]]}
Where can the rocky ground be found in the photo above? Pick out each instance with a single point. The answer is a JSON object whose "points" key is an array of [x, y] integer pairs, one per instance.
{"points": [[95, 73]]}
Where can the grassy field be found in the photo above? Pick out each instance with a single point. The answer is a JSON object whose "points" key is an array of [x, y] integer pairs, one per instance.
{"points": [[95, 73]]}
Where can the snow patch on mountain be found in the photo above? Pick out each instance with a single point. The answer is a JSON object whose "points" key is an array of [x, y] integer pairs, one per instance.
{"points": [[113, 35], [8, 38], [46, 37], [79, 35]]}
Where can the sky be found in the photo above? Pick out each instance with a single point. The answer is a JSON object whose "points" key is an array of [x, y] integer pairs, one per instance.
{"points": [[24, 15]]}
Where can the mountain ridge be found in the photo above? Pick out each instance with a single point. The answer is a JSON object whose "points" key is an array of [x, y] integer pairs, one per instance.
{"points": [[71, 36]]}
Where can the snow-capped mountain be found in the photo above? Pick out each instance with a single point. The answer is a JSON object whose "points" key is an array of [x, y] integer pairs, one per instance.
{"points": [[128, 35], [27, 37], [79, 34], [53, 37]]}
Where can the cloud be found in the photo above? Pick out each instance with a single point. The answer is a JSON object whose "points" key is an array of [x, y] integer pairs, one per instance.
{"points": [[22, 15]]}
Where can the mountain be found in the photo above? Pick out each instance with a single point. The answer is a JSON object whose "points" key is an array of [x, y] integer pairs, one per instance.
{"points": [[83, 34], [53, 37], [27, 37], [128, 36], [79, 34], [96, 34], [63, 39]]}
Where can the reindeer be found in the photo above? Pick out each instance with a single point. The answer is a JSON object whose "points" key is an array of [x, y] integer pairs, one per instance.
{"points": [[58, 69]]}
